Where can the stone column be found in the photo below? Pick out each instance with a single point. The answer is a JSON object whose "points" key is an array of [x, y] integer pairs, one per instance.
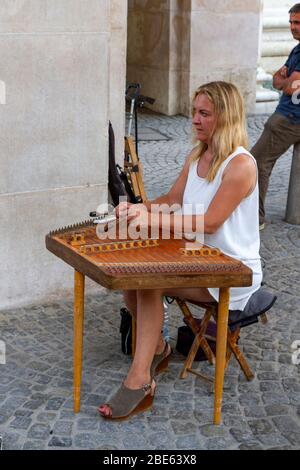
{"points": [[174, 46], [117, 72], [277, 40], [293, 203], [55, 64], [276, 44], [225, 44], [158, 41]]}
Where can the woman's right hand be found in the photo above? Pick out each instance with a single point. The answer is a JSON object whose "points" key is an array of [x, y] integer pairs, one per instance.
{"points": [[122, 209]]}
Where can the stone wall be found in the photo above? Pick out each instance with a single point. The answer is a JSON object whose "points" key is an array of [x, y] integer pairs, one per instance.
{"points": [[117, 72], [57, 57], [225, 42], [174, 46], [148, 49], [277, 40]]}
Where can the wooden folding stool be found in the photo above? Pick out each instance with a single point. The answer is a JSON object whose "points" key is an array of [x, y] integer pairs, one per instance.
{"points": [[211, 311]]}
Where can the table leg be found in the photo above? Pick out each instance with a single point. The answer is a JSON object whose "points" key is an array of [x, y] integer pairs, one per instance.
{"points": [[78, 335], [222, 325]]}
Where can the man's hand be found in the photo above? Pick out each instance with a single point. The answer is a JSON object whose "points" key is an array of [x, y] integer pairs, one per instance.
{"points": [[284, 71], [280, 78]]}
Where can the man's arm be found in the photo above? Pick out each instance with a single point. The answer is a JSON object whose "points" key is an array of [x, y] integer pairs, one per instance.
{"points": [[279, 78], [289, 85]]}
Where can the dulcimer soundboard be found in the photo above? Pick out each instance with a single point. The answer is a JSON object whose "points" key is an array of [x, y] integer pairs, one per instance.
{"points": [[145, 264]]}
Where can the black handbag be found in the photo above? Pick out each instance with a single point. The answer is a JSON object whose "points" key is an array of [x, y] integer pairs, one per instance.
{"points": [[126, 331], [186, 337]]}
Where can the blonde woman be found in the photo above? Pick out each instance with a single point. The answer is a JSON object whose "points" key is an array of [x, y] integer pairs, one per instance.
{"points": [[222, 175]]}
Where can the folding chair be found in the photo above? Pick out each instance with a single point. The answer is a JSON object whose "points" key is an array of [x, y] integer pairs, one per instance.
{"points": [[259, 303]]}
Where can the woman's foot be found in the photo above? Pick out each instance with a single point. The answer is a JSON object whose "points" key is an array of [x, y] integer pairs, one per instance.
{"points": [[127, 402], [161, 360]]}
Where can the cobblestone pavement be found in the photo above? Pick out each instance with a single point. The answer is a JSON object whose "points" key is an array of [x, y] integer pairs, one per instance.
{"points": [[36, 383]]}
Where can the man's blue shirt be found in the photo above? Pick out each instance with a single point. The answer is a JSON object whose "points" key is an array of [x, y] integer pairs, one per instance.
{"points": [[286, 106]]}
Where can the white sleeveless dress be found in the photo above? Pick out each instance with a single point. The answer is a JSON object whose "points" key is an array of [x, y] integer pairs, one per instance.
{"points": [[239, 236]]}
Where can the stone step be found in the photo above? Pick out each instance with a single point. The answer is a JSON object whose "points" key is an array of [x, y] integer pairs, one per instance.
{"points": [[276, 49], [264, 95], [272, 64]]}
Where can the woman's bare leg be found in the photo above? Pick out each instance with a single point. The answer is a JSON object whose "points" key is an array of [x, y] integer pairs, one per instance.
{"points": [[130, 301], [149, 325], [130, 298], [197, 294], [149, 314]]}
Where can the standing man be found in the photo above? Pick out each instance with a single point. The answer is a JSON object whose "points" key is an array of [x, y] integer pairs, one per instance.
{"points": [[283, 128]]}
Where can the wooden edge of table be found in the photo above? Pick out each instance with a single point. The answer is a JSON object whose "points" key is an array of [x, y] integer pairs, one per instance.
{"points": [[241, 278]]}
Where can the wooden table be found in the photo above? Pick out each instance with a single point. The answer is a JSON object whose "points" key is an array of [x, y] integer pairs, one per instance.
{"points": [[162, 266]]}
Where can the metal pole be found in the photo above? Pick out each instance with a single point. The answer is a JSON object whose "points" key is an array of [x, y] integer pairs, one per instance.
{"points": [[292, 215], [132, 108]]}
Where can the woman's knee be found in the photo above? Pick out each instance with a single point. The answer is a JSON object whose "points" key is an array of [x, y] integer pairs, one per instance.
{"points": [[129, 295], [149, 293]]}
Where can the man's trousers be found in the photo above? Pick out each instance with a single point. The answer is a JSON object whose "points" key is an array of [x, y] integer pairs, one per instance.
{"points": [[278, 135]]}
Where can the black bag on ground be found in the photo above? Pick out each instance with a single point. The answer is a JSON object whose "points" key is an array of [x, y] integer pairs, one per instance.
{"points": [[126, 331], [186, 337]]}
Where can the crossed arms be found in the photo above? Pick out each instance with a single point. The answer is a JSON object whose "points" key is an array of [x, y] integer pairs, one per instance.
{"points": [[289, 85]]}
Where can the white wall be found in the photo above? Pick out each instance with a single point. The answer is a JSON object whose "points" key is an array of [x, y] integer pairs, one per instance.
{"points": [[57, 57]]}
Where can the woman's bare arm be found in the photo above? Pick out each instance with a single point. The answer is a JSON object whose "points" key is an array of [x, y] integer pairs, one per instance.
{"points": [[238, 182]]}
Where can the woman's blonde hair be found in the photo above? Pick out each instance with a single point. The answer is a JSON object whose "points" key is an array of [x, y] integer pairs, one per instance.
{"points": [[230, 131]]}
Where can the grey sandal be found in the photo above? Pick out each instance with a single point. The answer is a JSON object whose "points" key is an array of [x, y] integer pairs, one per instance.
{"points": [[127, 402]]}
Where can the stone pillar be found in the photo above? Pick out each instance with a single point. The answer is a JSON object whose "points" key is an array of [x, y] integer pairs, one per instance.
{"points": [[158, 42], [293, 203], [117, 72], [148, 49], [276, 44], [56, 65], [225, 44], [174, 46], [277, 40]]}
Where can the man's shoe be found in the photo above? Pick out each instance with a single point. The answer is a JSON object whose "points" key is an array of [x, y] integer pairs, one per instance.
{"points": [[261, 226]]}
